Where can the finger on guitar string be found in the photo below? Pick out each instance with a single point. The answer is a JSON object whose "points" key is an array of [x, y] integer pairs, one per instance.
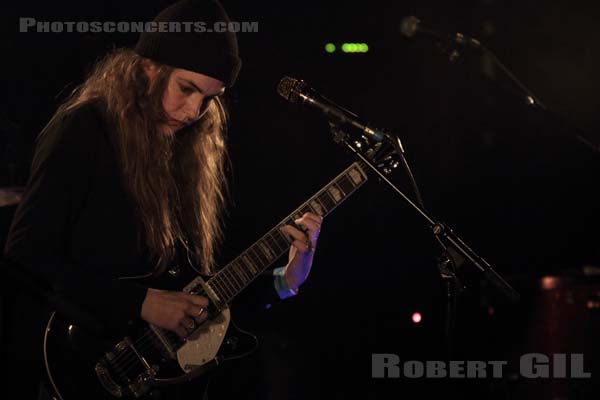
{"points": [[310, 228], [313, 217], [297, 238]]}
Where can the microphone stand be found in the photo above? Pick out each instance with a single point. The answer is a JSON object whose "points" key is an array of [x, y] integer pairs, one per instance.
{"points": [[453, 247], [527, 98], [447, 262], [525, 95]]}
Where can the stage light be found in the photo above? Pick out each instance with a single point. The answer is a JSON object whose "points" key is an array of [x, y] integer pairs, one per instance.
{"points": [[330, 47], [416, 317], [355, 47]]}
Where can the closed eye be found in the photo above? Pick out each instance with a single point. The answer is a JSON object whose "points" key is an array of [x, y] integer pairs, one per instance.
{"points": [[186, 89]]}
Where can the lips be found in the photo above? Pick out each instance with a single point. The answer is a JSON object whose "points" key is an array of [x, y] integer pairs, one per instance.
{"points": [[176, 123]]}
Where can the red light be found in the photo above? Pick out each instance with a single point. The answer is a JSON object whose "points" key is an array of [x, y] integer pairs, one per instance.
{"points": [[416, 317]]}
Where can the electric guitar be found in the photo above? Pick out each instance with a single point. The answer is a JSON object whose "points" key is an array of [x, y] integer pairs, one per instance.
{"points": [[80, 365]]}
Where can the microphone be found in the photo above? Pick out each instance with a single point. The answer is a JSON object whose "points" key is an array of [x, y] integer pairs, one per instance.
{"points": [[297, 91], [411, 26]]}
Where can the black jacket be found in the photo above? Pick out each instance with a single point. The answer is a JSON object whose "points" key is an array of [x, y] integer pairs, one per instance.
{"points": [[76, 229]]}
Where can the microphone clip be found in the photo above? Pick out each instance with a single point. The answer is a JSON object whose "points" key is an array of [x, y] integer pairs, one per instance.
{"points": [[384, 154]]}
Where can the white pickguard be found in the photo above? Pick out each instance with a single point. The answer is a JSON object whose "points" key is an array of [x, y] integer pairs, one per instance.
{"points": [[202, 346]]}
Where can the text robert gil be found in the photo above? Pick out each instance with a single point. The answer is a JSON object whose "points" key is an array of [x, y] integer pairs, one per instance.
{"points": [[531, 365]]}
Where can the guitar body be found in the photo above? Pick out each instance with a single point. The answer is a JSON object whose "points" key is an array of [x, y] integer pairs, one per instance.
{"points": [[149, 361], [77, 366]]}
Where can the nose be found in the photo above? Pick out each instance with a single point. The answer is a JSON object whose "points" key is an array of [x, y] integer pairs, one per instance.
{"points": [[192, 107]]}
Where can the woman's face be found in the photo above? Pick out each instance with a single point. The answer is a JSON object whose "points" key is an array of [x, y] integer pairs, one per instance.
{"points": [[186, 96]]}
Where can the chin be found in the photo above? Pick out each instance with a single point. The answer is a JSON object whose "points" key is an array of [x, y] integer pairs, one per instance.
{"points": [[168, 130]]}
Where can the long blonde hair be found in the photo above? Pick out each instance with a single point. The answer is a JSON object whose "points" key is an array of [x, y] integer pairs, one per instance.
{"points": [[177, 182]]}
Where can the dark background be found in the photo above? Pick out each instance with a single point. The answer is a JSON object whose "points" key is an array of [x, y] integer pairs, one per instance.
{"points": [[513, 183]]}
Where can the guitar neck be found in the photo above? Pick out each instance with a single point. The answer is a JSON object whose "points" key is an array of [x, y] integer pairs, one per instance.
{"points": [[239, 273]]}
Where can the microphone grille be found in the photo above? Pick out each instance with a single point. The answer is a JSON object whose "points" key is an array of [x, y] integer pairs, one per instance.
{"points": [[290, 88], [409, 26]]}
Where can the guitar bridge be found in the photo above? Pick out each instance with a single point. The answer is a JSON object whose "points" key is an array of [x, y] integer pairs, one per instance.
{"points": [[116, 379], [107, 381]]}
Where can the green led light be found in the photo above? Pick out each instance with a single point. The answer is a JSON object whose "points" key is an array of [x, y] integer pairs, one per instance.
{"points": [[355, 47], [330, 47]]}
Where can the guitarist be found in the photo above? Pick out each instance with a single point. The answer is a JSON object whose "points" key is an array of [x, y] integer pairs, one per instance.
{"points": [[128, 180]]}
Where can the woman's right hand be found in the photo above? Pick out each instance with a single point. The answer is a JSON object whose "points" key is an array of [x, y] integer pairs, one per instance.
{"points": [[175, 311]]}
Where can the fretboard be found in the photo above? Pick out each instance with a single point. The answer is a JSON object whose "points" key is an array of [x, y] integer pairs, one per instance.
{"points": [[239, 273]]}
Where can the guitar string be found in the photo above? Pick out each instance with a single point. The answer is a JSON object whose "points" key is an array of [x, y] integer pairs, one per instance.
{"points": [[142, 345], [127, 355]]}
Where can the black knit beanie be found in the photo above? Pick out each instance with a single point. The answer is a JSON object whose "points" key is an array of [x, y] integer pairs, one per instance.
{"points": [[209, 53]]}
